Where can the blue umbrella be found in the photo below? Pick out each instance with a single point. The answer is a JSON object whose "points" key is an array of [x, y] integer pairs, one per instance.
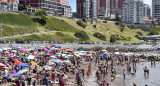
{"points": [[23, 65], [16, 47], [56, 61], [47, 51], [22, 71], [58, 47], [46, 66]]}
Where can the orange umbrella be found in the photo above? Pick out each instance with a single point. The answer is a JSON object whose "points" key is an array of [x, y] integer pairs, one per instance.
{"points": [[48, 46], [88, 55], [40, 48], [6, 52], [17, 61]]}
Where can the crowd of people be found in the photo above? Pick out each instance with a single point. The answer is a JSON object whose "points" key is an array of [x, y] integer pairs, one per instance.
{"points": [[55, 66]]}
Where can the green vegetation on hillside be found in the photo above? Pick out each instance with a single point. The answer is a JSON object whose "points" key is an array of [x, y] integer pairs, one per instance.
{"points": [[15, 23]]}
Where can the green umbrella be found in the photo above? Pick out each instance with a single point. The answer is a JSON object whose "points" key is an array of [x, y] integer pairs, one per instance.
{"points": [[68, 63], [65, 57], [40, 57]]}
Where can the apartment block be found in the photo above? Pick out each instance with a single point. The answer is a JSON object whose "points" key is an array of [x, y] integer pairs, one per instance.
{"points": [[132, 12], [53, 7], [156, 10], [146, 11], [87, 9], [8, 5]]}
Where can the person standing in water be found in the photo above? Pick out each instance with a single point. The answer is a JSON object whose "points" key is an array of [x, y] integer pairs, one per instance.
{"points": [[124, 74]]}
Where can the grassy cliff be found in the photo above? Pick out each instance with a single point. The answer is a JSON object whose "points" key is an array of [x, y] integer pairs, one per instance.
{"points": [[15, 23]]}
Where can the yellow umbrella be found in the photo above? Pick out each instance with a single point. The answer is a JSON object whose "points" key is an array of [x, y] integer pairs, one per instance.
{"points": [[33, 63]]}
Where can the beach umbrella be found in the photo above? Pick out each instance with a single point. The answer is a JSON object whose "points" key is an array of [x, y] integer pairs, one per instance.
{"points": [[50, 63], [53, 57], [40, 57], [6, 52], [17, 61], [1, 65], [47, 51], [48, 54], [48, 47], [14, 51], [77, 55], [35, 55], [56, 61], [88, 55], [65, 60], [33, 63], [30, 57], [69, 49], [23, 65], [40, 49], [68, 63], [103, 50], [11, 54], [117, 53], [22, 71], [58, 47], [65, 57], [16, 47], [47, 67]]}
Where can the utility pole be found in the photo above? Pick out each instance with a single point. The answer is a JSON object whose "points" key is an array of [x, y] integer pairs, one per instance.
{"points": [[1, 31], [48, 32]]}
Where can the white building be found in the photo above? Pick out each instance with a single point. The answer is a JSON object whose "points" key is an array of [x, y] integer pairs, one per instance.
{"points": [[54, 7], [156, 10], [132, 12], [146, 11], [8, 5]]}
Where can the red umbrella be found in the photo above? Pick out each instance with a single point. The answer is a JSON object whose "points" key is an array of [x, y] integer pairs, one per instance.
{"points": [[70, 49], [35, 55], [17, 61], [1, 65], [48, 54]]}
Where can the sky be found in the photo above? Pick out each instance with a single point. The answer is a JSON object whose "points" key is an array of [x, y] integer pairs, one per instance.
{"points": [[73, 4]]}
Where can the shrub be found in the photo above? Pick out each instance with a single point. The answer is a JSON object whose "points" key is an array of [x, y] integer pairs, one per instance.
{"points": [[138, 37], [144, 28], [80, 23], [82, 35], [40, 21], [113, 38], [100, 36], [121, 29], [95, 26], [140, 33], [60, 34], [153, 33]]}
